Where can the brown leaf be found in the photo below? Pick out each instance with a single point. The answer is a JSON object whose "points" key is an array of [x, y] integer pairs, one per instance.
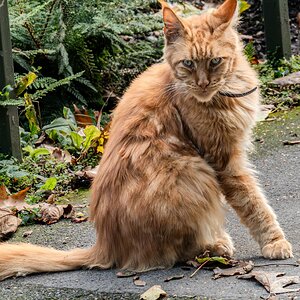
{"points": [[139, 282], [8, 223], [79, 219], [27, 233], [154, 293], [242, 268], [51, 199], [274, 283], [16, 200], [68, 211], [41, 139], [176, 277], [51, 213], [125, 274], [59, 154], [82, 117], [3, 192], [20, 196], [193, 263]]}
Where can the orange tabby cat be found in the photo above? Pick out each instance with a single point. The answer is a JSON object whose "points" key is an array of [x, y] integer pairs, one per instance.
{"points": [[177, 147]]}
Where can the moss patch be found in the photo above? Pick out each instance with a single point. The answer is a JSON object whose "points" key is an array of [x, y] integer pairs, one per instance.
{"points": [[269, 135]]}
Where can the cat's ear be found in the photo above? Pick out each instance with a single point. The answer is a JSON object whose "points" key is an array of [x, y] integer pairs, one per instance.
{"points": [[174, 27], [226, 14]]}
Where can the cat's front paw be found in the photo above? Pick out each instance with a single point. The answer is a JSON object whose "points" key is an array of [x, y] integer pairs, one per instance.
{"points": [[223, 248], [280, 249]]}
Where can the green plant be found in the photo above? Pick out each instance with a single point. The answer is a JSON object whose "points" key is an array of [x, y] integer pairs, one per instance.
{"points": [[282, 97], [66, 134], [29, 216]]}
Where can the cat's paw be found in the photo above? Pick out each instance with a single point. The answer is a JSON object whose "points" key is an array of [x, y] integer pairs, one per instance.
{"points": [[223, 248], [280, 249]]}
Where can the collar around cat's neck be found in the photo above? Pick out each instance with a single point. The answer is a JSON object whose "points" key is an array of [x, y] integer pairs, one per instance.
{"points": [[232, 95]]}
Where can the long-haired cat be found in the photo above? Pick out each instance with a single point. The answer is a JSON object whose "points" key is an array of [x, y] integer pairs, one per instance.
{"points": [[177, 148]]}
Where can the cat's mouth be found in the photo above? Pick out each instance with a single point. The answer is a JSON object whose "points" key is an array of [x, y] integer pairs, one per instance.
{"points": [[204, 95]]}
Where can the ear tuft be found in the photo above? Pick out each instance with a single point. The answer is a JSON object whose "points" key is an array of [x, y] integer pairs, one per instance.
{"points": [[173, 25]]}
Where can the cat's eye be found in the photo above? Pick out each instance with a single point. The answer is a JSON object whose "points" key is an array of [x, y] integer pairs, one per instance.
{"points": [[188, 63], [215, 61]]}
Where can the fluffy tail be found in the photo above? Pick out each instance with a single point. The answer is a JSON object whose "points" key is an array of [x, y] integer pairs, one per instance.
{"points": [[23, 259]]}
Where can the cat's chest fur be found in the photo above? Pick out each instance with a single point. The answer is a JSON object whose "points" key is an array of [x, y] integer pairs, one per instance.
{"points": [[217, 128]]}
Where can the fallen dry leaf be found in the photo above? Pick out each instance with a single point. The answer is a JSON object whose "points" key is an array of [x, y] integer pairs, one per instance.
{"points": [[51, 199], [154, 293], [193, 263], [176, 277], [125, 274], [242, 268], [80, 219], [51, 213], [27, 233], [3, 192], [82, 117], [68, 211], [59, 154], [8, 223], [274, 283], [139, 282], [16, 200], [20, 196]]}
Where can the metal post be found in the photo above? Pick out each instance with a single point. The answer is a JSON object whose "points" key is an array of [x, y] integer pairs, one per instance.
{"points": [[277, 29], [9, 119]]}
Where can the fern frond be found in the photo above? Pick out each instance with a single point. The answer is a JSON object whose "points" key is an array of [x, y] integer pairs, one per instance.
{"points": [[14, 102], [72, 90], [51, 87], [86, 83]]}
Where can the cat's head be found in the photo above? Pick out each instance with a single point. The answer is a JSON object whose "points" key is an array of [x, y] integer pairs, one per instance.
{"points": [[201, 49]]}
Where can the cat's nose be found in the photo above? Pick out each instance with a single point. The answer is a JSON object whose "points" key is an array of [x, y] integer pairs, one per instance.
{"points": [[203, 83]]}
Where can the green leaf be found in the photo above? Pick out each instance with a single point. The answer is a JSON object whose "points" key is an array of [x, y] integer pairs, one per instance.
{"points": [[91, 133], [25, 82], [244, 5], [77, 139], [68, 115], [217, 259], [36, 152], [28, 149], [50, 184], [61, 124], [30, 114]]}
